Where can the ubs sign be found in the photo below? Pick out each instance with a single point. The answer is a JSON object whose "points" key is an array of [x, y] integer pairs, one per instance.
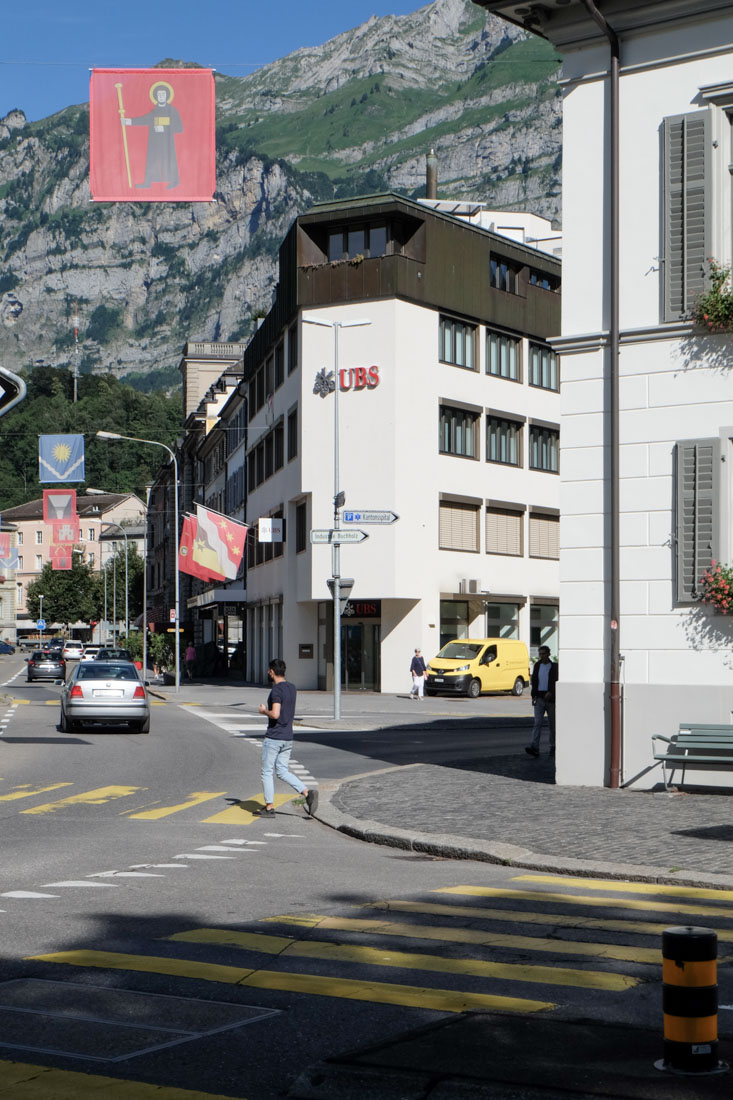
{"points": [[359, 378]]}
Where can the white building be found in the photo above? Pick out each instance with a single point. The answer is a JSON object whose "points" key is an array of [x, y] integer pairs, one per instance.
{"points": [[449, 416], [647, 403]]}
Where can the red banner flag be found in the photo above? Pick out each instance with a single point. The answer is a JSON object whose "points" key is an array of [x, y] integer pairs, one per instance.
{"points": [[59, 505], [186, 561], [4, 545], [64, 533], [152, 135], [60, 557], [220, 542]]}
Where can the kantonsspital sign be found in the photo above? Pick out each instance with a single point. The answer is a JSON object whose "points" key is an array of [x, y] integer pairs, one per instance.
{"points": [[334, 537], [369, 517]]}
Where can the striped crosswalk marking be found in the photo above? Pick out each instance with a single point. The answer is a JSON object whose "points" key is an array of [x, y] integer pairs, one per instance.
{"points": [[25, 791], [441, 1000], [661, 889], [373, 956], [537, 896], [95, 798], [243, 813], [23, 1081], [194, 799]]}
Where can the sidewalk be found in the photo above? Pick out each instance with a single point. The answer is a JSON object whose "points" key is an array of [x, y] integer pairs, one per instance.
{"points": [[506, 809]]}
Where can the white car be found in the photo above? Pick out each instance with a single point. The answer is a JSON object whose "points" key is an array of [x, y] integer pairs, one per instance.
{"points": [[90, 652], [73, 650]]}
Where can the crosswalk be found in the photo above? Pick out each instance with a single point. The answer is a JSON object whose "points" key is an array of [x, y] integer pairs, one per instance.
{"points": [[538, 942]]}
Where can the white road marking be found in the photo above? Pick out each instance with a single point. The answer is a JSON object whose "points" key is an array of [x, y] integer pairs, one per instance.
{"points": [[78, 882], [26, 894], [285, 834], [193, 855], [170, 865], [123, 874], [217, 848]]}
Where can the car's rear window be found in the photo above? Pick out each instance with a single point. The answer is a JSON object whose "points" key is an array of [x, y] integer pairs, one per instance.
{"points": [[98, 671]]}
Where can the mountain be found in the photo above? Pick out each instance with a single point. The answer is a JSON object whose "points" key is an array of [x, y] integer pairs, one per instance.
{"points": [[353, 116]]}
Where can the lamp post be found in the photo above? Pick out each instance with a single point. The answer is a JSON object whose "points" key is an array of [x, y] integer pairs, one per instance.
{"points": [[111, 523], [155, 443], [338, 501], [40, 616]]}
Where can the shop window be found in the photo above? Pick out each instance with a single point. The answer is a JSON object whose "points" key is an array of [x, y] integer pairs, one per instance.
{"points": [[453, 620], [502, 620]]}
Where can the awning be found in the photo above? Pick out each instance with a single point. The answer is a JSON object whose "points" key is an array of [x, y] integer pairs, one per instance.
{"points": [[218, 595]]}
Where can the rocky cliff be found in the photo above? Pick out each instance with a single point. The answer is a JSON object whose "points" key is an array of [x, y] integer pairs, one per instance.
{"points": [[355, 115]]}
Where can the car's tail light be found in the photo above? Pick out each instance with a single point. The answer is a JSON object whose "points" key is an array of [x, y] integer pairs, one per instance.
{"points": [[139, 692], [76, 692]]}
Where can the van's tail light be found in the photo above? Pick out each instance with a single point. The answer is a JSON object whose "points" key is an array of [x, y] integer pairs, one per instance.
{"points": [[139, 692], [76, 692]]}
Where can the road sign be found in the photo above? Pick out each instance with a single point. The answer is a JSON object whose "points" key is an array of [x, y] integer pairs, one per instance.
{"points": [[12, 390], [41, 624], [334, 537], [369, 517], [345, 586]]}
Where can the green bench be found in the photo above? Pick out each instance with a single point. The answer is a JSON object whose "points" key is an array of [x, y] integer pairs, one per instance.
{"points": [[695, 743]]}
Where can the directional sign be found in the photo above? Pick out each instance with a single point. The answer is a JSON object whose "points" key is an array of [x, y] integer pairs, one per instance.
{"points": [[369, 517], [335, 537], [41, 624], [12, 390]]}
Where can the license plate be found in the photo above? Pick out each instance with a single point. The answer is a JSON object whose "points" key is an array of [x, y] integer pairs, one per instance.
{"points": [[439, 679], [107, 693]]}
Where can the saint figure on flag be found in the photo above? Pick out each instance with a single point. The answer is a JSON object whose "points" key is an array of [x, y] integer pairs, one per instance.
{"points": [[163, 123]]}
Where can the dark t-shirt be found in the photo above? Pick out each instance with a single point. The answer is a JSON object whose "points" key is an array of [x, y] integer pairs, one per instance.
{"points": [[281, 729]]}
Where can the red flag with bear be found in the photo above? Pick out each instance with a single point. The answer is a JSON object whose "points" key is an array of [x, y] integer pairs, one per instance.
{"points": [[151, 135]]}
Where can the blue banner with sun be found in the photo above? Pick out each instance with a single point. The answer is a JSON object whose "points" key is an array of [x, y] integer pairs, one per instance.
{"points": [[60, 458]]}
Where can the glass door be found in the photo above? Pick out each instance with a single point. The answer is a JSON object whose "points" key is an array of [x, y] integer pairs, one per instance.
{"points": [[360, 655]]}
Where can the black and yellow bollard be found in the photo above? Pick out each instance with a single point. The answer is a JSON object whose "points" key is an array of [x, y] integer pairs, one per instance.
{"points": [[690, 1001]]}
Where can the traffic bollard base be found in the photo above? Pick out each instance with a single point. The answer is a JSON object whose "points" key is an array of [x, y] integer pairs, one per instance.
{"points": [[667, 1067]]}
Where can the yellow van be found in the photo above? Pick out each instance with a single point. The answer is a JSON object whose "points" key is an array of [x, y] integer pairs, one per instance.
{"points": [[469, 666]]}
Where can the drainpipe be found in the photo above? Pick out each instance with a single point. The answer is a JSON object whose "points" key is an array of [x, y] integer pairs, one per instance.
{"points": [[615, 647]]}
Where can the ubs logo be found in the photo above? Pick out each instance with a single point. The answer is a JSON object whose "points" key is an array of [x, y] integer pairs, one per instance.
{"points": [[359, 378]]}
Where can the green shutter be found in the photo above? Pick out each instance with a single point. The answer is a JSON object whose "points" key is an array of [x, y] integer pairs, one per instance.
{"points": [[698, 473], [686, 245]]}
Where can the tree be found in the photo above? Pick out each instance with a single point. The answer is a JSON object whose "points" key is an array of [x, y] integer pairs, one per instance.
{"points": [[69, 595], [114, 567]]}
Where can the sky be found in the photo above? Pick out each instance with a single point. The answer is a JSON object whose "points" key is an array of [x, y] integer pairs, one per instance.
{"points": [[47, 52]]}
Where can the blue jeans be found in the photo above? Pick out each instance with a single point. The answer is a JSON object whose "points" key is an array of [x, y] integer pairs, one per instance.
{"points": [[276, 755], [543, 706]]}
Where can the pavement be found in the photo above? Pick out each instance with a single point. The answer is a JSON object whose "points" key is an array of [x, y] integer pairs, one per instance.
{"points": [[505, 809]]}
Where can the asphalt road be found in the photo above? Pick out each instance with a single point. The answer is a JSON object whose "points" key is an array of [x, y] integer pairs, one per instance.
{"points": [[155, 931]]}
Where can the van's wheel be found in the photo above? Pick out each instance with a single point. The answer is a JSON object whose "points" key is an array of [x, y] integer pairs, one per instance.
{"points": [[518, 688], [474, 689]]}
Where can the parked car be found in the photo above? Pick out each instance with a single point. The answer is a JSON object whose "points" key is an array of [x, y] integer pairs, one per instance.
{"points": [[54, 643], [113, 655], [6, 647], [468, 666], [105, 691], [45, 666], [90, 652], [72, 650]]}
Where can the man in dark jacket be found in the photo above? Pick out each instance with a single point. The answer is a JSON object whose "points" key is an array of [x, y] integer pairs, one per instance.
{"points": [[544, 679]]}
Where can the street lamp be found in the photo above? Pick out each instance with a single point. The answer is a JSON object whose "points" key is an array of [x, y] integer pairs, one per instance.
{"points": [[111, 523], [40, 617], [338, 501], [155, 443]]}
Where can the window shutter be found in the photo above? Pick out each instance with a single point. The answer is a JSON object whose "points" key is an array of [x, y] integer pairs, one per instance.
{"points": [[458, 526], [697, 475], [686, 185], [503, 532], [544, 537]]}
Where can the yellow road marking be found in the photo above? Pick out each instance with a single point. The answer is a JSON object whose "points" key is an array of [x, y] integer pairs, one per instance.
{"points": [[243, 812], [585, 899], [189, 704], [19, 791], [441, 1000], [22, 1081], [632, 887], [15, 702], [94, 798], [377, 956], [50, 702], [194, 799], [521, 916], [487, 939]]}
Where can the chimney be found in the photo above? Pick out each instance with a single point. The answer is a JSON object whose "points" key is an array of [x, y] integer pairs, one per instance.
{"points": [[431, 175]]}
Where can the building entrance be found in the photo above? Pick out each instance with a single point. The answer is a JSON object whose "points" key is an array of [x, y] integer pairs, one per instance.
{"points": [[360, 656]]}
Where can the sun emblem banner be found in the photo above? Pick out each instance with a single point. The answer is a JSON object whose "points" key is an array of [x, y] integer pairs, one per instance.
{"points": [[60, 458], [152, 135]]}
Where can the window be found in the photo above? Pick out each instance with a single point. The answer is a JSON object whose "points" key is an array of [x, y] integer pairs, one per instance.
{"points": [[292, 348], [458, 526], [502, 356], [686, 244], [292, 434], [20, 538], [279, 364], [543, 367], [90, 535], [39, 538], [457, 432], [544, 447], [503, 274], [503, 441], [504, 532], [20, 561], [697, 473], [91, 561], [279, 446], [502, 620], [456, 342], [301, 528], [39, 561], [368, 239], [544, 536], [19, 593], [543, 280], [278, 547]]}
